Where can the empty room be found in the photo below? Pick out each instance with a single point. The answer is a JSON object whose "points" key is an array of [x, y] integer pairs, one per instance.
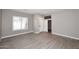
{"points": [[39, 28]]}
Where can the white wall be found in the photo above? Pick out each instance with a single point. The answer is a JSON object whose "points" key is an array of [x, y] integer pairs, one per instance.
{"points": [[66, 23], [37, 25], [40, 24], [0, 21], [7, 22], [45, 25]]}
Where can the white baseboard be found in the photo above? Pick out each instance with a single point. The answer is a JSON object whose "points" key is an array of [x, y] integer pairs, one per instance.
{"points": [[36, 32], [66, 36], [16, 35]]}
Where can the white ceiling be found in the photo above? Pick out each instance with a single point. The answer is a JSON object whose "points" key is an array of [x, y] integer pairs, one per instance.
{"points": [[38, 11]]}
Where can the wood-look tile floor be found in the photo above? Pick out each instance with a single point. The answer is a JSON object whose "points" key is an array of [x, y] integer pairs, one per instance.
{"points": [[39, 41]]}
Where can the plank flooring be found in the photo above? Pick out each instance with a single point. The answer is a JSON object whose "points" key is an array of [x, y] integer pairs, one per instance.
{"points": [[39, 41]]}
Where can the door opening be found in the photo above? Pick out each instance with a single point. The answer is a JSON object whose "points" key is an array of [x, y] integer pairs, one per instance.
{"points": [[49, 26]]}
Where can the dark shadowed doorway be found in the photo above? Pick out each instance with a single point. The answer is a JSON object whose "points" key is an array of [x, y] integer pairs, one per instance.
{"points": [[49, 26]]}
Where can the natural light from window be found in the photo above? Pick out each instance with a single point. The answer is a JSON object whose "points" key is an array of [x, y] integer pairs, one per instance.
{"points": [[20, 23]]}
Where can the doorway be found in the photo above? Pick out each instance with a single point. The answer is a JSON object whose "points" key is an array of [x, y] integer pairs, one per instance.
{"points": [[49, 26]]}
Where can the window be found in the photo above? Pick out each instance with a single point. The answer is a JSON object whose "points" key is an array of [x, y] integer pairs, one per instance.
{"points": [[20, 23]]}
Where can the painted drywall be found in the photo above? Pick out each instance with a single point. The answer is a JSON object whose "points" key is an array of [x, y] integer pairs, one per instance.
{"points": [[0, 21], [40, 24], [36, 19], [66, 23], [7, 22]]}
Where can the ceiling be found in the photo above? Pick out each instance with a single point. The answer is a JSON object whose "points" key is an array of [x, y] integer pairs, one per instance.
{"points": [[38, 11]]}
